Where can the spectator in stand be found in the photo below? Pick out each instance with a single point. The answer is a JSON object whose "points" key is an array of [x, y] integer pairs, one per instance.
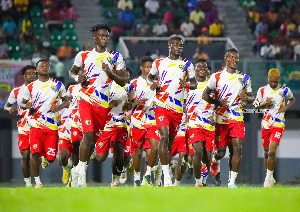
{"points": [[211, 16], [160, 29], [199, 54], [65, 52], [126, 18], [205, 5], [279, 40], [216, 29], [53, 18], [21, 6], [288, 28], [272, 16], [28, 36], [169, 17], [9, 28], [268, 51], [196, 16], [262, 27], [122, 4], [297, 52], [143, 29], [151, 7], [3, 49], [286, 51], [283, 14], [248, 5], [116, 32], [25, 23], [68, 12], [157, 55], [204, 37], [191, 5], [296, 16], [187, 28], [47, 4], [253, 18], [6, 8]]}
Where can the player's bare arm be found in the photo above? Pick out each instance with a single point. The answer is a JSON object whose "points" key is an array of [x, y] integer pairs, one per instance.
{"points": [[8, 107], [76, 75], [289, 104], [210, 100], [64, 104], [25, 104], [265, 104], [151, 79], [118, 77]]}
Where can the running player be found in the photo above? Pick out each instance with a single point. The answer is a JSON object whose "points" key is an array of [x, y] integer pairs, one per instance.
{"points": [[169, 101], [115, 132], [200, 123], [272, 98], [232, 88], [101, 66], [41, 97], [16, 95], [143, 125]]}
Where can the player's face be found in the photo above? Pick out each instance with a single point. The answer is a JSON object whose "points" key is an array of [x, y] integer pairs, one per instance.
{"points": [[43, 67], [201, 69], [232, 60], [146, 68], [273, 82], [176, 47], [101, 37], [30, 75]]}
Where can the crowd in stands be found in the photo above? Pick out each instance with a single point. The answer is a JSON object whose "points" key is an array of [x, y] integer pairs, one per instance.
{"points": [[276, 27], [37, 29], [190, 18]]}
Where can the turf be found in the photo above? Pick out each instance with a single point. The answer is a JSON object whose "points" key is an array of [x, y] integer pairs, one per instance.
{"points": [[150, 199]]}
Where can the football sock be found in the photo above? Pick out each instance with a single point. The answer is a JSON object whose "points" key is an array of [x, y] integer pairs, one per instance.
{"points": [[137, 176], [204, 180], [37, 180], [199, 181], [233, 177], [269, 175], [165, 169], [82, 167], [27, 181], [177, 183], [148, 171]]}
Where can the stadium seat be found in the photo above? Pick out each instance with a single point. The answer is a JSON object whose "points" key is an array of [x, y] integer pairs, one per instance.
{"points": [[35, 12], [75, 45], [111, 22], [16, 56], [136, 3], [111, 13], [138, 12], [56, 44], [38, 33], [68, 25], [106, 3], [71, 35], [38, 23], [14, 46], [179, 13], [55, 35], [128, 33]]}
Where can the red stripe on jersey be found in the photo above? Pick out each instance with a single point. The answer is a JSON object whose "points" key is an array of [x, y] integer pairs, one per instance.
{"points": [[262, 90], [16, 91], [134, 82], [85, 54], [71, 89], [157, 62], [217, 76], [207, 106], [30, 86]]}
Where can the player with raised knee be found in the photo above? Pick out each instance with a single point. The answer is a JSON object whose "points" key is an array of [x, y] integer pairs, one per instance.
{"points": [[271, 98], [100, 67], [169, 99], [232, 89], [114, 135], [200, 124], [41, 98], [16, 95], [143, 125]]}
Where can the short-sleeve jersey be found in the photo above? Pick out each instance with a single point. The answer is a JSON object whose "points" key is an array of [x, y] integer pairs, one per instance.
{"points": [[97, 90], [171, 94], [229, 86], [143, 116], [272, 116], [43, 95], [64, 128], [74, 119], [16, 95], [116, 117], [198, 110]]}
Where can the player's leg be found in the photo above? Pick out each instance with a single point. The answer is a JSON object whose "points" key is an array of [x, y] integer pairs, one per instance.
{"points": [[190, 170], [266, 156], [269, 180], [75, 155], [123, 177], [117, 162], [197, 162], [63, 161], [230, 148], [25, 153], [236, 160], [178, 172], [147, 169], [137, 159], [206, 159], [36, 138]]}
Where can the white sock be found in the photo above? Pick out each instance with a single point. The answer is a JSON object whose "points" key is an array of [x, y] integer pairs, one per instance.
{"points": [[148, 171], [27, 181], [165, 169], [82, 167], [233, 177], [177, 183], [137, 176], [199, 181], [269, 174], [37, 180], [70, 162], [204, 180], [191, 166]]}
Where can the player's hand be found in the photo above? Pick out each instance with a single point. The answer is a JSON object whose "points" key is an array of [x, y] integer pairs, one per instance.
{"points": [[113, 103], [12, 110], [282, 109], [81, 77], [153, 86], [28, 105], [105, 68], [141, 101], [268, 101], [243, 104], [54, 108], [243, 96], [222, 103], [127, 106], [211, 120], [183, 83]]}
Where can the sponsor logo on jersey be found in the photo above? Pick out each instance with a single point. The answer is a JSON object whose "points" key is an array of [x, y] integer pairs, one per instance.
{"points": [[60, 142], [53, 87], [280, 93], [161, 118], [241, 80], [88, 122], [34, 146]]}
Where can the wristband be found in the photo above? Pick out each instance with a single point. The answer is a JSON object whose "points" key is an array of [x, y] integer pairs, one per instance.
{"points": [[76, 78]]}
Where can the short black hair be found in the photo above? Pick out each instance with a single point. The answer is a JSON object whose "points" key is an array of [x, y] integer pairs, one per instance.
{"points": [[128, 69], [36, 65], [23, 70], [231, 50], [99, 26], [146, 59], [174, 37], [200, 60]]}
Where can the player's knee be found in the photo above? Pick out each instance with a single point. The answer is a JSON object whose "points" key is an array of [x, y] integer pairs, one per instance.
{"points": [[266, 153], [35, 156], [221, 153], [164, 138], [25, 155], [101, 157], [271, 154], [88, 136]]}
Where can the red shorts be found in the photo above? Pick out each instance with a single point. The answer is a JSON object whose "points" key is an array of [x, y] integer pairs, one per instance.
{"points": [[65, 144], [178, 146], [191, 149], [105, 141], [168, 118], [127, 147], [223, 133], [23, 142], [92, 118], [143, 136], [198, 134], [44, 142], [272, 134], [76, 135]]}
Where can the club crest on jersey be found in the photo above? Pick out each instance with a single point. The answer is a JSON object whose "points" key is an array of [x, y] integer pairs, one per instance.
{"points": [[34, 146], [161, 118], [100, 144], [74, 133], [218, 138], [241, 80], [181, 67], [280, 93], [20, 143], [110, 60], [88, 122], [60, 142], [53, 87]]}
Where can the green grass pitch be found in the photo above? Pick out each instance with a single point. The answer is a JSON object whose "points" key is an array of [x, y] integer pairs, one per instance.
{"points": [[150, 199]]}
